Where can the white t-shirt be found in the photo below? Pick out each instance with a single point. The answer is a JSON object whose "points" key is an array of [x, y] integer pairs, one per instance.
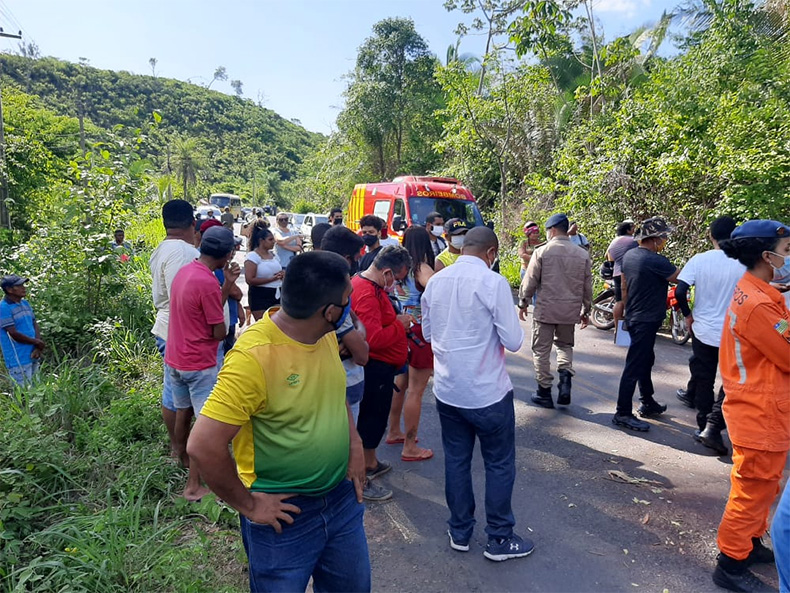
{"points": [[284, 255], [714, 275], [266, 268], [167, 259], [389, 241]]}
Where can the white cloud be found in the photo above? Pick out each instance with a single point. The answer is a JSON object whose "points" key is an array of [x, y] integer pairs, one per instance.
{"points": [[625, 8]]}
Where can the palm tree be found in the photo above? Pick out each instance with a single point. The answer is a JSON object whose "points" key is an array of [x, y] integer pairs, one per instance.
{"points": [[188, 160]]}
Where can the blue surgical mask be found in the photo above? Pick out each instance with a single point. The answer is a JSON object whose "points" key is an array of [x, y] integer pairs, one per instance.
{"points": [[782, 273], [346, 311]]}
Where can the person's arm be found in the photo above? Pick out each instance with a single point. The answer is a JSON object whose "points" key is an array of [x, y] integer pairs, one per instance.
{"points": [[357, 347], [21, 338], [681, 294], [208, 448], [424, 274], [586, 294], [289, 242], [674, 276], [380, 338], [623, 289], [251, 269], [505, 317], [530, 282], [231, 272], [522, 252], [438, 265], [773, 340]]}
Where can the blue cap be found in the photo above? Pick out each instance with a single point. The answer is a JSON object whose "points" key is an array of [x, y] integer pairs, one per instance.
{"points": [[556, 219], [762, 229]]}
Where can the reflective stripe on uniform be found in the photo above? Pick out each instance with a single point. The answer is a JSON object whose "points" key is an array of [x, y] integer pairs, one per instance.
{"points": [[738, 357]]}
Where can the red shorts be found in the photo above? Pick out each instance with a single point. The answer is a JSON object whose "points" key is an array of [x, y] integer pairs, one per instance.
{"points": [[420, 356]]}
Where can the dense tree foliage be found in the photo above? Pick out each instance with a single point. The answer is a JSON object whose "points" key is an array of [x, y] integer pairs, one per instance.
{"points": [[240, 138]]}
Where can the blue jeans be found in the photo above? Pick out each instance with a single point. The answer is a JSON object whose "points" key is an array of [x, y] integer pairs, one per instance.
{"points": [[495, 426], [167, 388], [326, 541], [191, 388], [780, 537], [23, 374]]}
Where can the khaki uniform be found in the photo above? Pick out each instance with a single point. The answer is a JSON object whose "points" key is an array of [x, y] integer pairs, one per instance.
{"points": [[559, 272]]}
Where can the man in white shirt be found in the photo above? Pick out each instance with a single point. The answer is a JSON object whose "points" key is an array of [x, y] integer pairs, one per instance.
{"points": [[172, 254], [715, 276], [287, 242], [469, 317]]}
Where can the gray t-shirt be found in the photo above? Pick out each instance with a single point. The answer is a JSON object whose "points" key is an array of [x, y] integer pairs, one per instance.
{"points": [[618, 248]]}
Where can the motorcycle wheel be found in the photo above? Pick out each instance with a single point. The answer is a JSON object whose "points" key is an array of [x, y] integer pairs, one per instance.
{"points": [[680, 333], [601, 315]]}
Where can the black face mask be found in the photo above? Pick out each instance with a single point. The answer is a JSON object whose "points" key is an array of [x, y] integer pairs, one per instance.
{"points": [[337, 221], [370, 240]]}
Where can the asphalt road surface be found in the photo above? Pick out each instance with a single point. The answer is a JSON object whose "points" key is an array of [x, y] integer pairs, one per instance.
{"points": [[608, 509], [592, 530]]}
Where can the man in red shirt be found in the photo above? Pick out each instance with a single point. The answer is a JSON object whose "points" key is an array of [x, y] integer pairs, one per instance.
{"points": [[386, 335], [197, 325]]}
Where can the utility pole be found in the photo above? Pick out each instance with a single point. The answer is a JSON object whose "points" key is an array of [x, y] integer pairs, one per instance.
{"points": [[5, 217]]}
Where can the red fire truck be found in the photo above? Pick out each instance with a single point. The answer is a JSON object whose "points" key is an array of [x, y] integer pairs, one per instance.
{"points": [[406, 201]]}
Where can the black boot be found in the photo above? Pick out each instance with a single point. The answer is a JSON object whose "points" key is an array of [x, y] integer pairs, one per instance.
{"points": [[564, 388], [711, 438], [735, 575], [683, 396], [760, 554], [542, 397]]}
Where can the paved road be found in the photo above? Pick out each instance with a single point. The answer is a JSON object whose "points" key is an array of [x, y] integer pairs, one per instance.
{"points": [[591, 533]]}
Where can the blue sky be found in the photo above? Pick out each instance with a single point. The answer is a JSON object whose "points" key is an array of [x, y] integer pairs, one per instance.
{"points": [[291, 53]]}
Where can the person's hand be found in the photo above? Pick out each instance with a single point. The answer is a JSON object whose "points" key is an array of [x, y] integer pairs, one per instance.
{"points": [[36, 354], [343, 351], [279, 275], [689, 323], [406, 320], [522, 313], [39, 344], [584, 321], [269, 509], [356, 467], [232, 272]]}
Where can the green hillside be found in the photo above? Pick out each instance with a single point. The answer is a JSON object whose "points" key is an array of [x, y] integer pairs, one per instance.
{"points": [[235, 137]]}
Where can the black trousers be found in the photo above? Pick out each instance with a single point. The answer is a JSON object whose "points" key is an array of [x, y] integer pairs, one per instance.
{"points": [[374, 409], [638, 365], [703, 364]]}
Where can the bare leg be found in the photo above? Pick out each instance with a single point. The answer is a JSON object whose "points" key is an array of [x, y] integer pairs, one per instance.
{"points": [[371, 461], [617, 312], [181, 421], [194, 490], [169, 417], [418, 379], [395, 434]]}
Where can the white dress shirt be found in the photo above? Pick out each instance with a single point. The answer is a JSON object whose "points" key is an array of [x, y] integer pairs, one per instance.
{"points": [[469, 318]]}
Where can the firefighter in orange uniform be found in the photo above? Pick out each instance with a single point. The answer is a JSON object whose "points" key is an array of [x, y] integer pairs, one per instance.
{"points": [[755, 370]]}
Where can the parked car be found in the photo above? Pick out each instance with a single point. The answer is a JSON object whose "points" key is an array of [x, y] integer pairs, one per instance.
{"points": [[309, 221]]}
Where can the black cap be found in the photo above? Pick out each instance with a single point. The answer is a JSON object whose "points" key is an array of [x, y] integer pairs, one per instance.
{"points": [[217, 241], [556, 219], [455, 226], [12, 280]]}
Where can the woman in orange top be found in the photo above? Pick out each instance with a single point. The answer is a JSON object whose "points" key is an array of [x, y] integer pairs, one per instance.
{"points": [[755, 370]]}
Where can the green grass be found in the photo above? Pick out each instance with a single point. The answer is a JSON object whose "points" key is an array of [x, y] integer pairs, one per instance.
{"points": [[88, 493]]}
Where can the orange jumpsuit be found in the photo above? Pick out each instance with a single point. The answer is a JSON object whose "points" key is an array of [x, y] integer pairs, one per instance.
{"points": [[755, 370]]}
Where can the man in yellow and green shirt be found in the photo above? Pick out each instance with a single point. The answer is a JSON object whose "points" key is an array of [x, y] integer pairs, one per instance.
{"points": [[298, 475]]}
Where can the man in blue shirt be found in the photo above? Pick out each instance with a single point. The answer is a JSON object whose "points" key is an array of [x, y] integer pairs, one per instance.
{"points": [[20, 337]]}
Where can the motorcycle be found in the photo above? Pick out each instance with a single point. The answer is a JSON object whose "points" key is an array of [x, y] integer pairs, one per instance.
{"points": [[677, 321], [602, 315]]}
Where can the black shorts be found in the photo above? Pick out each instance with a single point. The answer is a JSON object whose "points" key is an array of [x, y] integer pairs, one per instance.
{"points": [[618, 289], [261, 298]]}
